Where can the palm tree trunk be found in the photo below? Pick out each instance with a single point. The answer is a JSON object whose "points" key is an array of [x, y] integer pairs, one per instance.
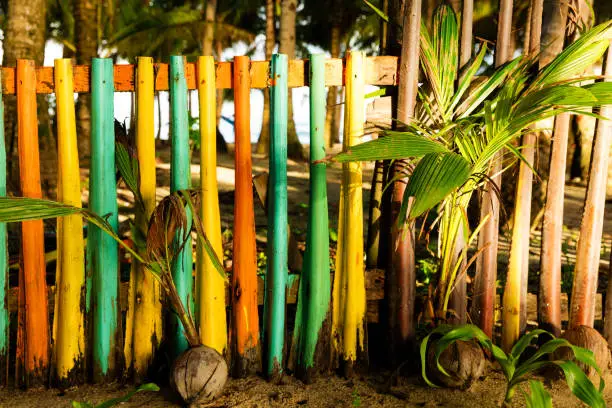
{"points": [[287, 46], [400, 285], [584, 289], [483, 307], [263, 143], [86, 41], [332, 115], [209, 29], [458, 299], [549, 300], [515, 315]]}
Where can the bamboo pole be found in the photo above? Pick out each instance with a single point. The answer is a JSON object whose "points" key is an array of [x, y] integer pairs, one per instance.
{"points": [[180, 173], [584, 289], [514, 314], [210, 285], [33, 329], [4, 262], [311, 334], [483, 308], [349, 301], [69, 318], [102, 250], [144, 320], [245, 321], [400, 290], [276, 276], [607, 330]]}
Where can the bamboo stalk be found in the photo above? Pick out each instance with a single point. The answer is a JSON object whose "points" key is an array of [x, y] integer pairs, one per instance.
{"points": [[515, 293], [69, 318], [584, 289], [607, 330], [401, 288], [483, 309], [210, 285], [102, 250], [145, 312], [276, 276], [180, 173], [349, 301], [33, 329], [311, 334], [245, 320], [4, 263]]}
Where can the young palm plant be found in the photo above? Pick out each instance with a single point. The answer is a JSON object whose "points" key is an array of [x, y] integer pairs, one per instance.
{"points": [[456, 134]]}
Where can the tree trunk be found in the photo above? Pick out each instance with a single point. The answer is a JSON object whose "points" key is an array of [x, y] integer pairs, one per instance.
{"points": [[209, 29], [332, 117], [554, 19], [86, 41], [584, 289], [400, 285], [24, 37], [458, 298], [263, 143], [515, 315], [287, 46], [483, 307]]}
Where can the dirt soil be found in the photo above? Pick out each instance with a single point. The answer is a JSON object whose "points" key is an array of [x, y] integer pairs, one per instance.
{"points": [[328, 392]]}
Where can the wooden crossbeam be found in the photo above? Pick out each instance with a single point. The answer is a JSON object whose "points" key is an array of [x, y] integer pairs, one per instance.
{"points": [[379, 71]]}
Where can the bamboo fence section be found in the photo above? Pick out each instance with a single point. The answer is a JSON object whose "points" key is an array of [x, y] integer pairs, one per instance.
{"points": [[4, 264]]}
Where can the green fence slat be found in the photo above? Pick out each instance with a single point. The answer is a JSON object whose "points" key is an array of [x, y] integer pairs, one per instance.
{"points": [[4, 315], [102, 249], [276, 276], [180, 179]]}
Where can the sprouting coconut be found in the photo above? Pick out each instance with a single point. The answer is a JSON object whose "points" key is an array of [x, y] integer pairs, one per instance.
{"points": [[464, 361], [199, 374], [590, 339]]}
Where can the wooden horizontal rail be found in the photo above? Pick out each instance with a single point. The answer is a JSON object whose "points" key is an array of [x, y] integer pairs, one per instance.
{"points": [[379, 71]]}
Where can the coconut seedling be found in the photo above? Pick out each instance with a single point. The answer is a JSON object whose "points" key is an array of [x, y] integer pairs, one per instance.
{"points": [[168, 233], [523, 360], [456, 135]]}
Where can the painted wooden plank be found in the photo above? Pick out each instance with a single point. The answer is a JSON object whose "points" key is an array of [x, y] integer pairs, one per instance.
{"points": [[349, 299], [144, 320], [311, 335], [276, 276], [4, 263], [69, 317], [245, 320], [180, 179], [380, 70], [210, 284], [33, 357], [102, 249]]}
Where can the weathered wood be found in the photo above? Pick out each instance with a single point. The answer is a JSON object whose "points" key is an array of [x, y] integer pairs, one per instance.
{"points": [[380, 70]]}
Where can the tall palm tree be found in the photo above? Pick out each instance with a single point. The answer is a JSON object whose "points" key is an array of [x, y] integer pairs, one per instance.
{"points": [[263, 143]]}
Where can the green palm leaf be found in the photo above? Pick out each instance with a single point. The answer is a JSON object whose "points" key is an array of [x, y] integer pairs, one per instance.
{"points": [[396, 145], [433, 178]]}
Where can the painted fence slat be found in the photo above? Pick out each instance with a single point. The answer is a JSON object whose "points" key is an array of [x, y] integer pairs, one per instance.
{"points": [[102, 250], [276, 276], [315, 287], [349, 301], [4, 262], [33, 329], [245, 320], [210, 284], [144, 321], [70, 277], [180, 179]]}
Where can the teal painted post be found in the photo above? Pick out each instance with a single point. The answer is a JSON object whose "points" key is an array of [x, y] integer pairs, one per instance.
{"points": [[180, 179], [4, 315], [315, 284], [101, 248], [276, 276]]}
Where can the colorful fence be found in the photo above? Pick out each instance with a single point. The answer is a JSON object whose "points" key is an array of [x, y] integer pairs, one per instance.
{"points": [[89, 340]]}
